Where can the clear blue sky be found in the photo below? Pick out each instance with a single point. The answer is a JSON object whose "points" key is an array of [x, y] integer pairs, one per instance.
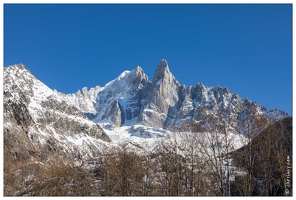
{"points": [[246, 48]]}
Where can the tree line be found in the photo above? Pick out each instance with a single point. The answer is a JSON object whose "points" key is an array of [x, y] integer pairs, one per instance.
{"points": [[201, 162]]}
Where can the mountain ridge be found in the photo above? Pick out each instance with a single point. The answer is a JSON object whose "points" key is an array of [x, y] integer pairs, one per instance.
{"points": [[161, 102]]}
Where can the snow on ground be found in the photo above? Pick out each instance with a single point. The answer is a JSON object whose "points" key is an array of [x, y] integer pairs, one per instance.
{"points": [[150, 137], [138, 135]]}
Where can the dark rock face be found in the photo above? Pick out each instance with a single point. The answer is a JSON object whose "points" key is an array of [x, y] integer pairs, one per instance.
{"points": [[114, 113], [17, 121], [18, 113]]}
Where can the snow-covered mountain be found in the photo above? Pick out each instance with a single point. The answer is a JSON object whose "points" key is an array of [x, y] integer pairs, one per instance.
{"points": [[132, 99], [39, 121], [168, 133]]}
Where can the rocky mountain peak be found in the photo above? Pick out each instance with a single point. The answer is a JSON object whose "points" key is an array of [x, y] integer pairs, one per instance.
{"points": [[200, 86], [85, 91], [16, 66], [161, 94], [161, 71], [163, 63], [17, 70], [138, 77], [138, 71]]}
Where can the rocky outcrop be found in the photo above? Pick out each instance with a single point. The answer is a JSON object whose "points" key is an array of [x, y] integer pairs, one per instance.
{"points": [[114, 113]]}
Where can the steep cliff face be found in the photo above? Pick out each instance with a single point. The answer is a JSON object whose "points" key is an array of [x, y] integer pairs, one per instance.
{"points": [[160, 96], [39, 122]]}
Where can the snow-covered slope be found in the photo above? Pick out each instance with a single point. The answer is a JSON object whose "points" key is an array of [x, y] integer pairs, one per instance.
{"points": [[84, 99], [45, 120], [119, 100]]}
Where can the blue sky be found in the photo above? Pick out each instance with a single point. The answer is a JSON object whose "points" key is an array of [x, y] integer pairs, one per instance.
{"points": [[246, 48]]}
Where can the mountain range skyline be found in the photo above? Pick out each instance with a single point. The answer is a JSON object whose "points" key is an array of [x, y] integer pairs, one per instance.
{"points": [[244, 47], [160, 102], [86, 89]]}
